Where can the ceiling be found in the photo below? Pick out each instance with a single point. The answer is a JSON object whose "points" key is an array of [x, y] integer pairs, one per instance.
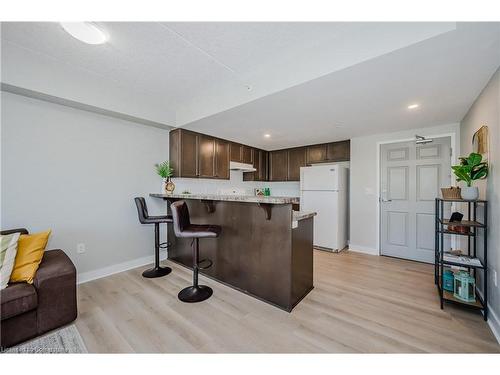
{"points": [[300, 82]]}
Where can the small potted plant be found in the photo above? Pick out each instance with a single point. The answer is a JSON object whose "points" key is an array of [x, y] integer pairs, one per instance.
{"points": [[470, 169], [165, 171]]}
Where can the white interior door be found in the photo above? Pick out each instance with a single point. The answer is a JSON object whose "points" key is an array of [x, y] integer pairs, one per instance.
{"points": [[411, 176]]}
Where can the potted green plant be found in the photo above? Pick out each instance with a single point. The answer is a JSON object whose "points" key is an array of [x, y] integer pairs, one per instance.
{"points": [[165, 171], [470, 169]]}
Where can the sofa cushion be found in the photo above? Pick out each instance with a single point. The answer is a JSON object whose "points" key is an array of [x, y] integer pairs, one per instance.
{"points": [[8, 251], [17, 298], [30, 250]]}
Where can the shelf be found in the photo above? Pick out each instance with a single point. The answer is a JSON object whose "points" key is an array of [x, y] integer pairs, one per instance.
{"points": [[445, 231], [442, 227], [463, 223], [448, 296], [459, 200], [461, 265]]}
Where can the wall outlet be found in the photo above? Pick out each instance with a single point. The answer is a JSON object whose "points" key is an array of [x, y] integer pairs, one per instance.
{"points": [[80, 248]]}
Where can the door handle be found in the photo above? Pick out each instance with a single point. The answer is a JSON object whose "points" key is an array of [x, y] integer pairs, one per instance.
{"points": [[385, 200]]}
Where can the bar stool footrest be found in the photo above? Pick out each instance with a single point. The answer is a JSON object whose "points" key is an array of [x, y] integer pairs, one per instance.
{"points": [[210, 263]]}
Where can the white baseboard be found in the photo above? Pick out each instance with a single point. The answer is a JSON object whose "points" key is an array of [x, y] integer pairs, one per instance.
{"points": [[363, 249], [494, 324], [117, 268]]}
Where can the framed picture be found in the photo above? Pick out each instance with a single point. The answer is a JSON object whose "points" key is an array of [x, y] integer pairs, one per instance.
{"points": [[480, 142]]}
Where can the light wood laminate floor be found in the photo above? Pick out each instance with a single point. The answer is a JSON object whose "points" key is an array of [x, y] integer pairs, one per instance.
{"points": [[361, 303]]}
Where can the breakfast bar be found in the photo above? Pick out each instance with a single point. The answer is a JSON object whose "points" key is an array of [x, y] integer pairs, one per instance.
{"points": [[265, 249]]}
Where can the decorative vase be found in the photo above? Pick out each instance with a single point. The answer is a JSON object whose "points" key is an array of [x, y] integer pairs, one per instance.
{"points": [[169, 186], [469, 193]]}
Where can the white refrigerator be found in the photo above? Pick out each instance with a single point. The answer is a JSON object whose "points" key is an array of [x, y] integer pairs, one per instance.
{"points": [[323, 189]]}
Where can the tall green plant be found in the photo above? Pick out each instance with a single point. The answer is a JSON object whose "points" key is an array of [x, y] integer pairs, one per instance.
{"points": [[164, 169], [471, 168]]}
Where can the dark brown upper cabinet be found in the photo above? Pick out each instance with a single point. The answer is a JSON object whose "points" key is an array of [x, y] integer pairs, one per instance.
{"points": [[206, 156], [199, 155], [260, 164], [339, 151], [296, 159], [246, 154], [222, 159], [263, 166], [184, 153], [235, 150], [316, 154], [278, 165]]}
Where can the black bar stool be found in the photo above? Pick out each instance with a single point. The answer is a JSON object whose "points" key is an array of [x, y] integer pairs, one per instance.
{"points": [[184, 229], [144, 218]]}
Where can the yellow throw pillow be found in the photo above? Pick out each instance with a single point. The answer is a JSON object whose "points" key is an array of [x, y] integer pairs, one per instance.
{"points": [[30, 248]]}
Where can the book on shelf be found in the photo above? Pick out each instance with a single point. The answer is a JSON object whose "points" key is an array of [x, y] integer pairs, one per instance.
{"points": [[461, 259]]}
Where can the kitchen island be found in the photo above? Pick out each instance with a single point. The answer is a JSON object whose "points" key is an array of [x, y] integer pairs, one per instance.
{"points": [[265, 249]]}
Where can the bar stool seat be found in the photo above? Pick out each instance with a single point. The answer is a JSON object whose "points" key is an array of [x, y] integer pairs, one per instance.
{"points": [[184, 229], [200, 231], [145, 218]]}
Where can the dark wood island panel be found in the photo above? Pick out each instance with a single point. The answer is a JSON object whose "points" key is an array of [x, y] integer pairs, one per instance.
{"points": [[265, 258]]}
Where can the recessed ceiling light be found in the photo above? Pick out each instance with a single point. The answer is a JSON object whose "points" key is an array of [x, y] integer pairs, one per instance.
{"points": [[267, 135], [85, 32], [413, 106]]}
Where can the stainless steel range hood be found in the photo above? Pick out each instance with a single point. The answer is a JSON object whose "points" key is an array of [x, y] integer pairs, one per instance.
{"points": [[234, 166]]}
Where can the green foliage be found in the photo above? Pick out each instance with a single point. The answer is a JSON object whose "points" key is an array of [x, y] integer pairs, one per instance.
{"points": [[164, 169], [471, 168]]}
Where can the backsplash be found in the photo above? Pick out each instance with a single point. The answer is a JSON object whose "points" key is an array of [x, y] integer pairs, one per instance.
{"points": [[235, 185]]}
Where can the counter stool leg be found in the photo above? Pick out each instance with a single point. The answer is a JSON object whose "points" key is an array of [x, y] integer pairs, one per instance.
{"points": [[195, 293], [157, 270]]}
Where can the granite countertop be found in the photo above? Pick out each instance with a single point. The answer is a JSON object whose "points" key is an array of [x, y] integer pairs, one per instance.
{"points": [[301, 215], [231, 198]]}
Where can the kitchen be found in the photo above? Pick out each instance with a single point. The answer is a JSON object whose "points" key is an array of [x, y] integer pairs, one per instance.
{"points": [[266, 203]]}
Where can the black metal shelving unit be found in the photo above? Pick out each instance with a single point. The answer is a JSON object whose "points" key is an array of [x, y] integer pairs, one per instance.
{"points": [[441, 229]]}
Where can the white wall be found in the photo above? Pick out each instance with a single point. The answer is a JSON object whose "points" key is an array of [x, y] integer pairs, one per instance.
{"points": [[364, 180], [486, 111], [77, 173]]}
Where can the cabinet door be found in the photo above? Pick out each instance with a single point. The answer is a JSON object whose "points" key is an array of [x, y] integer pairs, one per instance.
{"points": [[222, 159], [253, 176], [296, 159], [264, 157], [316, 154], [339, 151], [188, 154], [246, 154], [235, 152], [278, 165], [206, 156]]}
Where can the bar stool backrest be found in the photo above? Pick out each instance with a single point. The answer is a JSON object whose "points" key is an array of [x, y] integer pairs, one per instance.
{"points": [[142, 209], [180, 215]]}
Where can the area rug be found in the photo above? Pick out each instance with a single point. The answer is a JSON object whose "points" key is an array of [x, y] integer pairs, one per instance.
{"points": [[65, 340]]}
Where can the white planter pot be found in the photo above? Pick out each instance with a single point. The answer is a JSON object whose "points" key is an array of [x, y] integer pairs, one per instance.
{"points": [[469, 193]]}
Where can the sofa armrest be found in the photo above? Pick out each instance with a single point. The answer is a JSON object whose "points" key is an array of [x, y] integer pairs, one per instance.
{"points": [[55, 283]]}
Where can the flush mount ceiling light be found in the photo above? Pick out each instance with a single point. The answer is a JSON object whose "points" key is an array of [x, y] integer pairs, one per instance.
{"points": [[413, 106], [86, 32], [267, 135]]}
